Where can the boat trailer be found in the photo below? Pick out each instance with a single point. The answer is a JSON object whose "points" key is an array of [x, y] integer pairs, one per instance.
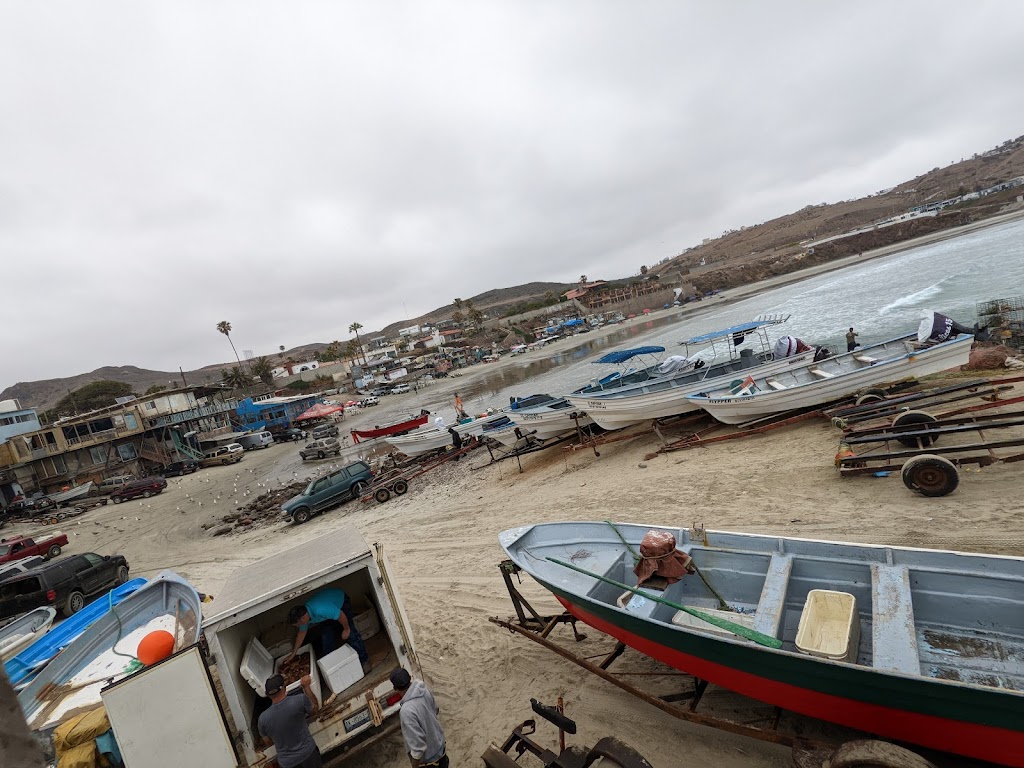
{"points": [[806, 752], [395, 481]]}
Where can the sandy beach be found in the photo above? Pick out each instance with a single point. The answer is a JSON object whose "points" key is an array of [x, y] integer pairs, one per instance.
{"points": [[441, 540]]}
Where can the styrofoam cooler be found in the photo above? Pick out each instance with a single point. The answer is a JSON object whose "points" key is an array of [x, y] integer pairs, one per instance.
{"points": [[341, 668], [258, 664]]}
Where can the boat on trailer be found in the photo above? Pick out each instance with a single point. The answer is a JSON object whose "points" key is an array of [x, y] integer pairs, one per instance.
{"points": [[63, 498], [398, 428], [813, 383], [916, 645], [660, 391], [429, 439]]}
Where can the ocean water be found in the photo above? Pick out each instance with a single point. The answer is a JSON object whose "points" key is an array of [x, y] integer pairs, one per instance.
{"points": [[881, 299]]}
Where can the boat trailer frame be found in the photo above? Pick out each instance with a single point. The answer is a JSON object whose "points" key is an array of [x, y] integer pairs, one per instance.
{"points": [[531, 624]]}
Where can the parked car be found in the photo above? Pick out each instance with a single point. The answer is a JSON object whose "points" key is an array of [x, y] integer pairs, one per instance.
{"points": [[109, 484], [65, 584], [179, 468], [366, 402], [380, 391], [146, 487], [256, 440], [288, 434], [400, 389], [319, 449], [7, 570], [329, 491], [30, 507], [222, 455], [18, 547], [325, 430]]}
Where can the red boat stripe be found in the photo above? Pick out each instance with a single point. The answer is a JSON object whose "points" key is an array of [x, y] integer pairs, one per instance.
{"points": [[997, 745]]}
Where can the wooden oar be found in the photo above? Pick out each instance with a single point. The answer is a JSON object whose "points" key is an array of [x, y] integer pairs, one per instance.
{"points": [[729, 626]]}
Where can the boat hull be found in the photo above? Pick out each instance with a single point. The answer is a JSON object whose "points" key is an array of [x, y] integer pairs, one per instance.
{"points": [[392, 429], [546, 423], [22, 632], [739, 409], [891, 714]]}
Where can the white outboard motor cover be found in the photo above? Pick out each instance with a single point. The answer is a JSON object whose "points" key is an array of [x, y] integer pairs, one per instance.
{"points": [[676, 363]]}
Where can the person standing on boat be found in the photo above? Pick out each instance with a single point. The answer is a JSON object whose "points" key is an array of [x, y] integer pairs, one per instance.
{"points": [[421, 730], [460, 411], [328, 621], [283, 725], [851, 340]]}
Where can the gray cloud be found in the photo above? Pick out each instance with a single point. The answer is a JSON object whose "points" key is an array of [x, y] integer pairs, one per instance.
{"points": [[296, 168]]}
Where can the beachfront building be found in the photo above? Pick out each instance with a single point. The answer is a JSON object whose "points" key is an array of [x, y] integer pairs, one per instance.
{"points": [[136, 436], [15, 420], [272, 411]]}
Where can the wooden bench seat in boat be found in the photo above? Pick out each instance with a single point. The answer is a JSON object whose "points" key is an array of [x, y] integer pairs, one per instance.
{"points": [[775, 383], [893, 633], [864, 358], [820, 373], [772, 603]]}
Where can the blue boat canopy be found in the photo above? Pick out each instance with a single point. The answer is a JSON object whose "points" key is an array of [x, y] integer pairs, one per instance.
{"points": [[753, 325], [625, 354]]}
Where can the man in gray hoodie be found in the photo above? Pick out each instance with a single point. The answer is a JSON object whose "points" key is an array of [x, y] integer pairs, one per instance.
{"points": [[424, 737]]}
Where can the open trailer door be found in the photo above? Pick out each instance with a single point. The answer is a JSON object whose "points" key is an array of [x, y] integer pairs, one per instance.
{"points": [[396, 601], [167, 716]]}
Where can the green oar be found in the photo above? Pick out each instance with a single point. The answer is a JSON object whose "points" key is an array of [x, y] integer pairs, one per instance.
{"points": [[729, 626]]}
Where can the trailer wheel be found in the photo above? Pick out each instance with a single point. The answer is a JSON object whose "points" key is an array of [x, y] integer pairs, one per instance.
{"points": [[875, 754], [930, 475], [382, 495], [301, 515], [915, 417], [400, 487], [868, 397]]}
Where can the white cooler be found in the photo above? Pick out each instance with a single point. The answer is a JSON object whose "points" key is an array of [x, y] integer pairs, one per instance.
{"points": [[258, 664], [341, 668]]}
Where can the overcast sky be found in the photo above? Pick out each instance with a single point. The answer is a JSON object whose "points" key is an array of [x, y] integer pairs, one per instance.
{"points": [[296, 167]]}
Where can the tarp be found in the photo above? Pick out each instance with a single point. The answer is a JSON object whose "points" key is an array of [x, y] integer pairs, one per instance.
{"points": [[319, 411]]}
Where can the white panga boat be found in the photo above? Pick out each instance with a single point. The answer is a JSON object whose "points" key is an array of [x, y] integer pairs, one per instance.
{"points": [[916, 645], [814, 383], [660, 391], [77, 492], [24, 631], [428, 439], [106, 650]]}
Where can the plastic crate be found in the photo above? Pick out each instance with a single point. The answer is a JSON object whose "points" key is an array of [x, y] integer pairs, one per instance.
{"points": [[829, 625]]}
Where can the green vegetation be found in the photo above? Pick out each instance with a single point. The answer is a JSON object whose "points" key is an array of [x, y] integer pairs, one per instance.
{"points": [[98, 394]]}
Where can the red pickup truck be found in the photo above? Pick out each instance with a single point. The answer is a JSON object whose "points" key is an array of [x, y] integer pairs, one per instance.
{"points": [[17, 547]]}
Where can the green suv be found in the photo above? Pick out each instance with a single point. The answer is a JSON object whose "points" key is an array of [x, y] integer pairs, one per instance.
{"points": [[328, 491]]}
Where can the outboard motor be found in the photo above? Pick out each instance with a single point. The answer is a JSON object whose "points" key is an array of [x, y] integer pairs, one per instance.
{"points": [[936, 328]]}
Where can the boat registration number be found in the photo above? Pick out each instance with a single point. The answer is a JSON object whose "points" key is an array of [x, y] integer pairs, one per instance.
{"points": [[596, 405], [354, 721], [531, 416]]}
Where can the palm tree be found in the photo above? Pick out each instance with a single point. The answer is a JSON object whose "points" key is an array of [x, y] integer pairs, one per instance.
{"points": [[262, 368], [583, 280], [280, 351], [354, 328], [225, 327], [457, 317], [550, 297], [457, 303], [235, 378]]}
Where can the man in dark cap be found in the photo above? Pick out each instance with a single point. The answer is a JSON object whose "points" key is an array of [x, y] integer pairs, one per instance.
{"points": [[456, 441], [424, 737], [283, 724]]}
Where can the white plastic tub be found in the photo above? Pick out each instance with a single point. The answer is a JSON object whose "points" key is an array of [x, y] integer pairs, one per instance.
{"points": [[258, 664], [829, 625]]}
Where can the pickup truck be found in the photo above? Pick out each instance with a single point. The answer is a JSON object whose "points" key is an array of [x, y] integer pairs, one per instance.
{"points": [[17, 547]]}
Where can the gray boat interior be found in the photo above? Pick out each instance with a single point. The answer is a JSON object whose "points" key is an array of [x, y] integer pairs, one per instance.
{"points": [[944, 615]]}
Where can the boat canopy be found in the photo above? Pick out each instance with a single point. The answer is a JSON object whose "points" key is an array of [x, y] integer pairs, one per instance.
{"points": [[623, 355], [753, 325]]}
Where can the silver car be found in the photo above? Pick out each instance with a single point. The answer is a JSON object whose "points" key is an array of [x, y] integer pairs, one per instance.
{"points": [[320, 449]]}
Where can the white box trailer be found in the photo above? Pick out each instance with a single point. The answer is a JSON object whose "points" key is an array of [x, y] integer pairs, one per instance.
{"points": [[173, 714]]}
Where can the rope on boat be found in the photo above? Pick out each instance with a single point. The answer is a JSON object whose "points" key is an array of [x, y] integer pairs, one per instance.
{"points": [[637, 557], [737, 629]]}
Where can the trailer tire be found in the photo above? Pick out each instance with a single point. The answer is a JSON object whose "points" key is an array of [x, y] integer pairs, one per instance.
{"points": [[915, 417], [930, 475], [53, 551], [301, 515], [382, 495], [400, 487], [867, 397], [617, 753], [875, 754]]}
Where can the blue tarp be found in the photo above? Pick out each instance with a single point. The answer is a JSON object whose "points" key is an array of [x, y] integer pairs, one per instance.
{"points": [[625, 354], [571, 323], [26, 664], [744, 328]]}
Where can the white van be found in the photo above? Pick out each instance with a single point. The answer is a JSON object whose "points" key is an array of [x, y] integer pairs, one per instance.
{"points": [[247, 631], [255, 440]]}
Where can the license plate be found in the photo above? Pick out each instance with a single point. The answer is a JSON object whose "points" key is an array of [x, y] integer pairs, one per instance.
{"points": [[354, 721]]}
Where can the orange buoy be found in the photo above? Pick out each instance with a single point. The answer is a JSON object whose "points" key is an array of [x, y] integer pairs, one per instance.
{"points": [[156, 646]]}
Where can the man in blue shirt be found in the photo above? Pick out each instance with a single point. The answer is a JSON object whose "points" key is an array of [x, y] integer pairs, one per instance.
{"points": [[327, 620]]}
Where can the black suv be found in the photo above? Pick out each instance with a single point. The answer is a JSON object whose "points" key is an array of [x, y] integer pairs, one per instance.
{"points": [[285, 435], [64, 584], [30, 507], [186, 467]]}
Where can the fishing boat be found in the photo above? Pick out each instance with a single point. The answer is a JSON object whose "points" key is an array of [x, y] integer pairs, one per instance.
{"points": [[24, 631], [66, 497], [398, 428], [506, 434], [26, 664], [430, 439], [107, 650], [766, 393], [661, 391], [917, 645]]}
